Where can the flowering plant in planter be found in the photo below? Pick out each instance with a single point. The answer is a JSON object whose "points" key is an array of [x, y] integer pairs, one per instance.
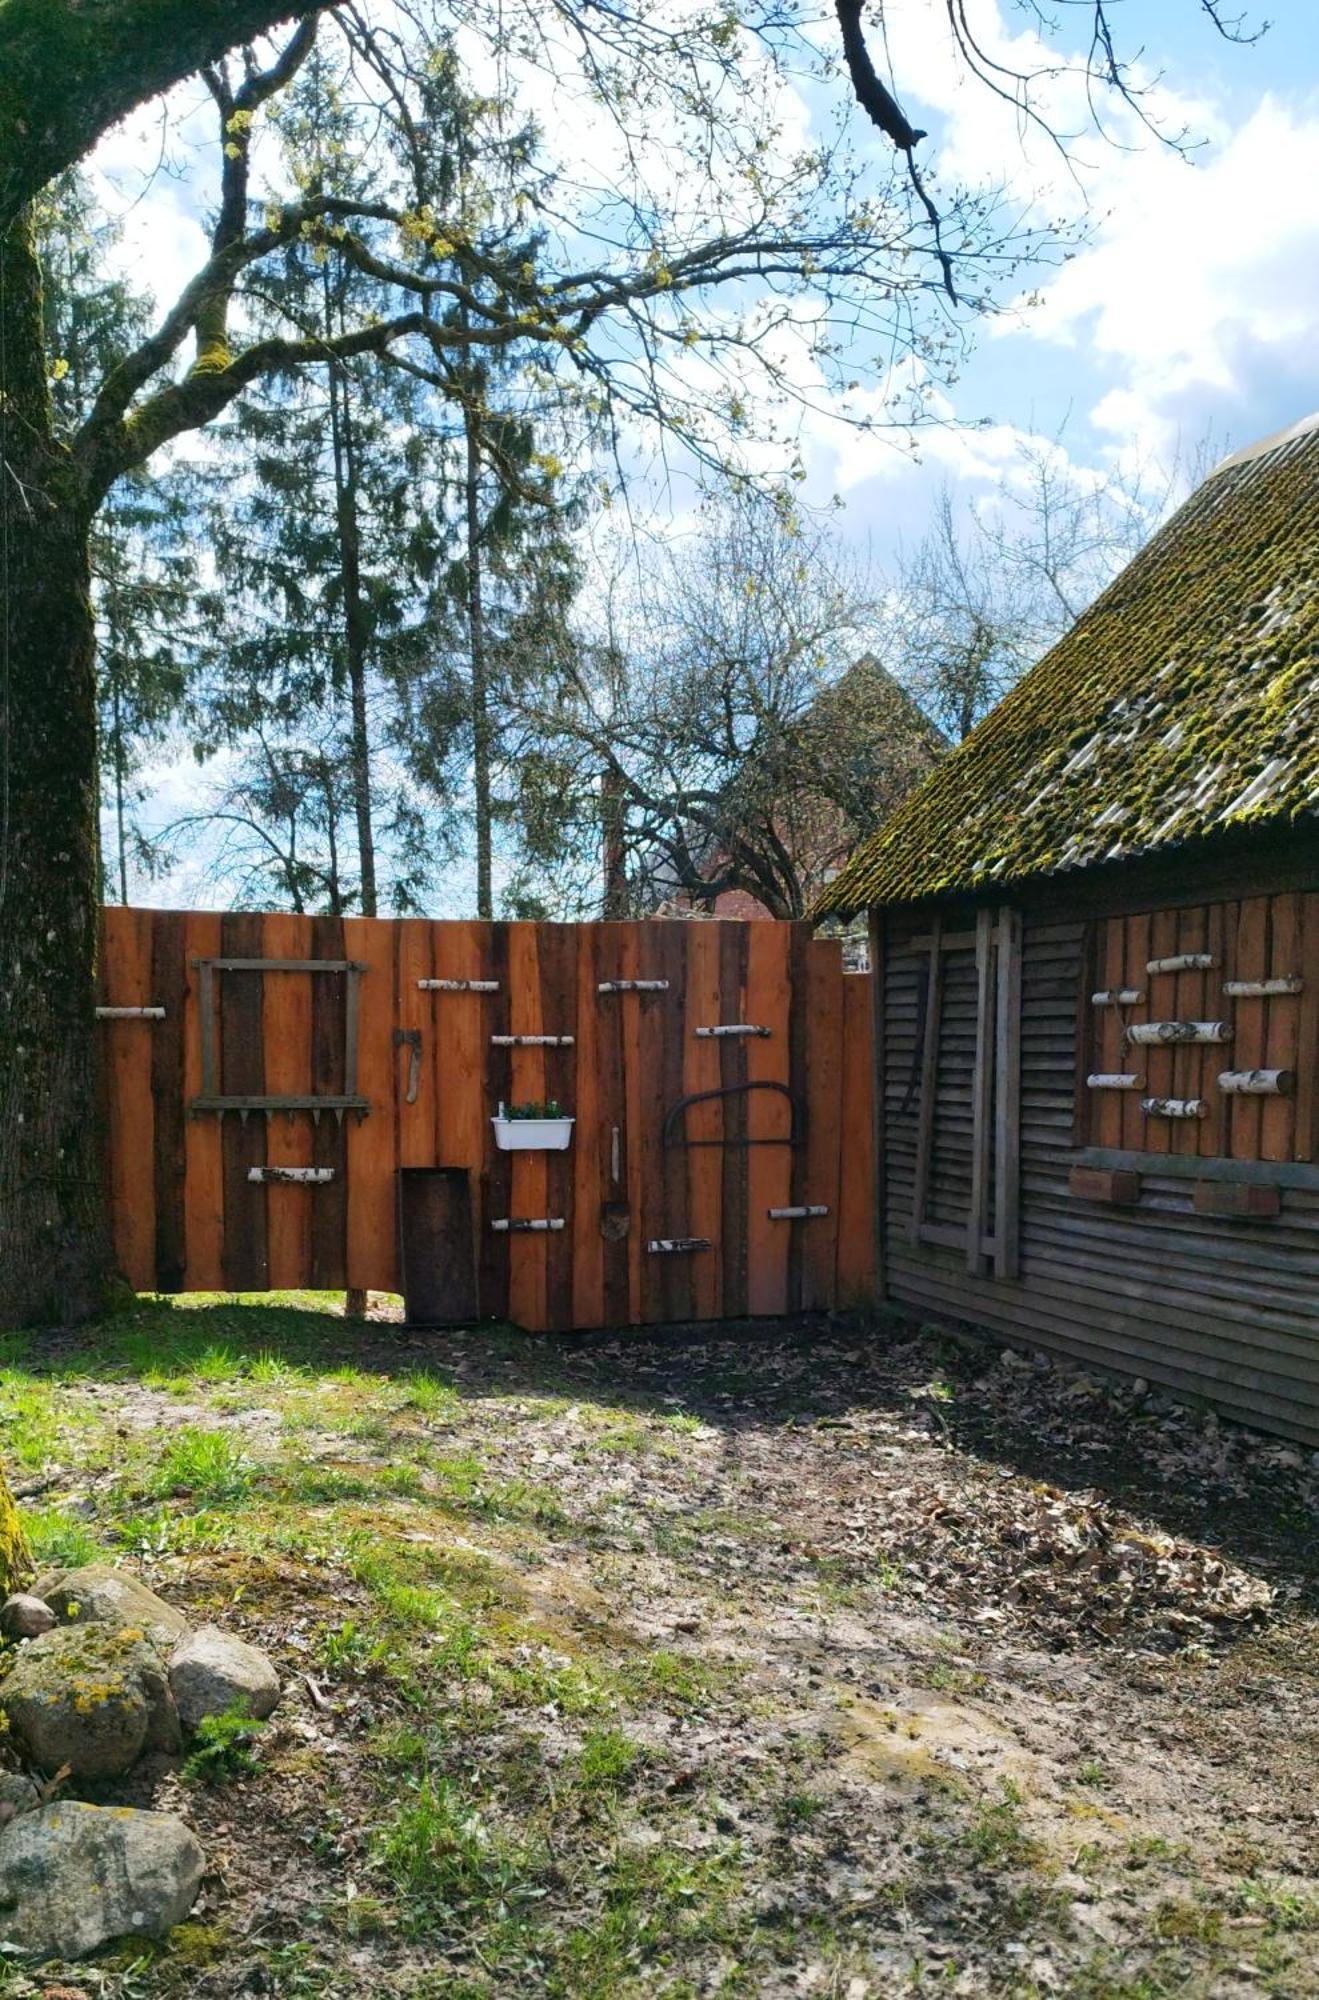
{"points": [[532, 1128]]}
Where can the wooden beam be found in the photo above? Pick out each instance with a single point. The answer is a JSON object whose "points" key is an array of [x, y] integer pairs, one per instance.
{"points": [[1007, 1108], [1116, 1185], [878, 1058], [982, 1095], [1239, 1198], [929, 1081]]}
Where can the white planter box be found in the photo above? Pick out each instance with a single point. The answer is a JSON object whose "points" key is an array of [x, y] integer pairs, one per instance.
{"points": [[533, 1135]]}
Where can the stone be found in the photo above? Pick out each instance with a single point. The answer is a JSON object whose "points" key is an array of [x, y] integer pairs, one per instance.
{"points": [[92, 1697], [24, 1617], [211, 1671], [17, 1795], [99, 1595], [74, 1876]]}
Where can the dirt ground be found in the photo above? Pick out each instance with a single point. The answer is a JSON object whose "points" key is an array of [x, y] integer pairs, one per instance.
{"points": [[837, 1659]]}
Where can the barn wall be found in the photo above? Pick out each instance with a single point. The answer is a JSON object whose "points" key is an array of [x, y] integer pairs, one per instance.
{"points": [[187, 1215], [1221, 1309]]}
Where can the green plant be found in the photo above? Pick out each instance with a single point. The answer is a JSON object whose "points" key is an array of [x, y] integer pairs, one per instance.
{"points": [[222, 1748], [550, 1109], [207, 1465]]}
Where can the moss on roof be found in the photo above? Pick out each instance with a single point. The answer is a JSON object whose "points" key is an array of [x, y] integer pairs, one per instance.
{"points": [[1183, 703]]}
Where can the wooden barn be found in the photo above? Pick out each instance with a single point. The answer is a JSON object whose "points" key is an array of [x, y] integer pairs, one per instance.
{"points": [[1095, 931]]}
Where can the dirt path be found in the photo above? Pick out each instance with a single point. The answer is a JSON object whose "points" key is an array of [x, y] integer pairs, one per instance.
{"points": [[834, 1662]]}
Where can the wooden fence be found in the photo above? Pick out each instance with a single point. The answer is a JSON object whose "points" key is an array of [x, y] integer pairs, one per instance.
{"points": [[420, 1067]]}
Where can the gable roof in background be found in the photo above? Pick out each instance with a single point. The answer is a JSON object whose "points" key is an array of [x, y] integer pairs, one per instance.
{"points": [[1183, 704]]}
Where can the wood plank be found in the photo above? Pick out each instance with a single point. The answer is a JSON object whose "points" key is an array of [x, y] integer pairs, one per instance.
{"points": [[437, 1246], [286, 1040], [1007, 1097], [982, 1093], [1105, 1115], [1161, 1005], [856, 1194], [490, 945], [1122, 1188], [677, 1274], [649, 1023], [615, 1219], [1136, 953], [203, 1163], [558, 982], [126, 957], [372, 1141], [929, 1079], [878, 983], [168, 987], [1236, 1198], [590, 1147], [1246, 1049], [1306, 1146], [329, 1215], [242, 1073], [527, 1251], [1211, 1132], [733, 950], [769, 1176], [1192, 1062], [701, 1071], [418, 1122], [634, 1097], [799, 946], [1277, 1139], [820, 1008]]}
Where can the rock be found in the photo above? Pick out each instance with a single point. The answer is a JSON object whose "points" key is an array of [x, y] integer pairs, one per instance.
{"points": [[17, 1795], [211, 1671], [23, 1617], [92, 1697], [99, 1595], [73, 1876]]}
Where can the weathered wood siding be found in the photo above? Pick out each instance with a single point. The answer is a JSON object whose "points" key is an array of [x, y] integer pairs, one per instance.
{"points": [[188, 1215], [1222, 1308]]}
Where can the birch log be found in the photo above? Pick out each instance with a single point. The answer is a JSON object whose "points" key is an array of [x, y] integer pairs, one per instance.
{"points": [[1258, 1082], [1153, 1033]]}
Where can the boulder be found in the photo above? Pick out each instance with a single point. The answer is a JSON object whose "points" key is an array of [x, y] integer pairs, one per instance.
{"points": [[92, 1697], [99, 1595], [211, 1671], [24, 1617], [17, 1795], [73, 1876]]}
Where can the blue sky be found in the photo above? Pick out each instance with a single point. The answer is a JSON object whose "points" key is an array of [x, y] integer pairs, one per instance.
{"points": [[1191, 306]]}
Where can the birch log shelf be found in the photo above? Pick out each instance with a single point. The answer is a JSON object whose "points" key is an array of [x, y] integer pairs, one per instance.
{"points": [[1174, 1107], [1114, 1080], [130, 1013], [458, 986], [532, 1041], [527, 1225], [1258, 1082], [1263, 989], [729, 1030], [1183, 961], [1117, 996], [1147, 1034], [633, 986], [798, 1214], [292, 1176]]}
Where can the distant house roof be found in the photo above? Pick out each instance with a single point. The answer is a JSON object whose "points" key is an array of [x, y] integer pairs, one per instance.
{"points": [[1184, 703]]}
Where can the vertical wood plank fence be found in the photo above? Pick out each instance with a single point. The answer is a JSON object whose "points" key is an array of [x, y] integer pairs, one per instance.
{"points": [[682, 1137]]}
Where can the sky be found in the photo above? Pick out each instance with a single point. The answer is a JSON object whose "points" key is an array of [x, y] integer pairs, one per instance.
{"points": [[1186, 311]]}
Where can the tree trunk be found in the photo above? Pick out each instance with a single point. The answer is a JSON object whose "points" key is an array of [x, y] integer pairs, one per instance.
{"points": [[356, 627], [53, 1240], [616, 901], [15, 1561], [485, 906]]}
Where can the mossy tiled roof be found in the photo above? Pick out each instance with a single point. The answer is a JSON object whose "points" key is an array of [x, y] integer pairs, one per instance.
{"points": [[1183, 703]]}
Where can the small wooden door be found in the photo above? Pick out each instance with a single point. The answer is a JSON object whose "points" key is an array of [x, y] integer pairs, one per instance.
{"points": [[967, 1172]]}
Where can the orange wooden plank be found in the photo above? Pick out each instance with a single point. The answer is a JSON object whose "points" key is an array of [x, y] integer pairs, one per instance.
{"points": [[1136, 979], [1281, 1027], [527, 1306], [462, 1039], [1246, 1048], [372, 1255], [856, 1195], [1307, 1044], [1193, 1062], [769, 1174], [204, 1172], [700, 1071], [823, 1003], [634, 1096], [1213, 1129], [591, 1142], [417, 1121], [1106, 1107], [126, 1050], [286, 1032], [1156, 1064]]}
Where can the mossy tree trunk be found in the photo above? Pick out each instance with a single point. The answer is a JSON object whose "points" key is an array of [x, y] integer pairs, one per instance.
{"points": [[52, 1230]]}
